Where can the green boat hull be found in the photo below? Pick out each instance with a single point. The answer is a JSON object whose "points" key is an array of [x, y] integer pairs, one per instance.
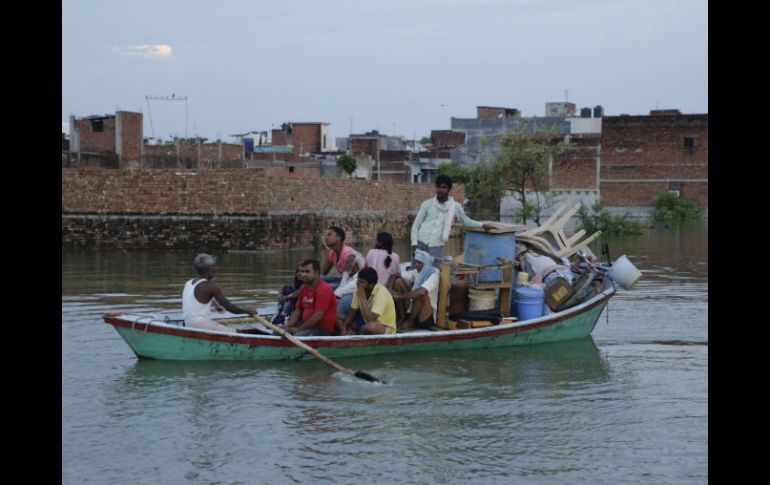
{"points": [[177, 343]]}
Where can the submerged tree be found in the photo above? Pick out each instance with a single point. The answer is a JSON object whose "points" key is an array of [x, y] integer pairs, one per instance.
{"points": [[670, 209]]}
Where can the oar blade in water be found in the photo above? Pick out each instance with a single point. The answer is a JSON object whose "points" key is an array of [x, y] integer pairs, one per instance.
{"points": [[367, 377]]}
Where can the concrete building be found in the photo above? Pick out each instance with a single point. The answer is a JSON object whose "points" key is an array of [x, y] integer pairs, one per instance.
{"points": [[482, 135], [560, 109]]}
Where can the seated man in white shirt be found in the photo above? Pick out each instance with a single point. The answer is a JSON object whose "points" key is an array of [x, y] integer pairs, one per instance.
{"points": [[354, 263], [424, 295]]}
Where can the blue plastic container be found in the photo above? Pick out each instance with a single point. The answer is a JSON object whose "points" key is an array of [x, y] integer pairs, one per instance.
{"points": [[529, 303], [483, 248]]}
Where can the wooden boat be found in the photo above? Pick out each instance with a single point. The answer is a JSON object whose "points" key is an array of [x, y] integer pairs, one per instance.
{"points": [[163, 336]]}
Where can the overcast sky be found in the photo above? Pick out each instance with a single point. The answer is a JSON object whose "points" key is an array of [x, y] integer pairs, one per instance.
{"points": [[404, 64]]}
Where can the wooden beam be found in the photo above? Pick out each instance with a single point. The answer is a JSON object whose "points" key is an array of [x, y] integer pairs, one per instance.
{"points": [[443, 293], [505, 291]]}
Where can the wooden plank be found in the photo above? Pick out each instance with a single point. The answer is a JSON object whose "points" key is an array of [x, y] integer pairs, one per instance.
{"points": [[481, 323], [490, 286], [443, 293], [505, 290]]}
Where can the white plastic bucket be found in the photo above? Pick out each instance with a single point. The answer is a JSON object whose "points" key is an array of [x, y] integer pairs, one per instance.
{"points": [[522, 277], [481, 299], [624, 273]]}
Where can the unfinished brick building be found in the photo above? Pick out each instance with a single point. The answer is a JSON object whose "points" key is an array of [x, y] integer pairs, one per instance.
{"points": [[112, 140], [642, 156], [306, 138]]}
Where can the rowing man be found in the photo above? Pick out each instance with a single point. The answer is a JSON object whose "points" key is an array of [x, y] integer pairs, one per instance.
{"points": [[199, 293]]}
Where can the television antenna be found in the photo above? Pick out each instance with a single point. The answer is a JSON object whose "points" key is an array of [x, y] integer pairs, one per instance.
{"points": [[173, 97]]}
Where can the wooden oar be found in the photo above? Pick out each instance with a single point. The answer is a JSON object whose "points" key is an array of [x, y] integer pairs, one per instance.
{"points": [[360, 374]]}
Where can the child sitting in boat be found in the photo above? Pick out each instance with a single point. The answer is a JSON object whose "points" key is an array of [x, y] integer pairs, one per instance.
{"points": [[384, 260], [287, 299]]}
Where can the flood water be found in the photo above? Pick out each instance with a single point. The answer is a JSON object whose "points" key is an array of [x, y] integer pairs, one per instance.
{"points": [[627, 405]]}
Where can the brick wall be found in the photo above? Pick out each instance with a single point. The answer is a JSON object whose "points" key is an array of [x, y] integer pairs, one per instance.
{"points": [[394, 155], [279, 137], [368, 146], [193, 155], [107, 208], [641, 155], [306, 138], [483, 112], [294, 171], [129, 138], [447, 138], [102, 141], [575, 168]]}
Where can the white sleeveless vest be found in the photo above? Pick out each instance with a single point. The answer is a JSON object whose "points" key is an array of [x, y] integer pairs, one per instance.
{"points": [[191, 307]]}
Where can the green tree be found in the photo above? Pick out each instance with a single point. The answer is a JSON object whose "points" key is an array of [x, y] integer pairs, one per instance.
{"points": [[460, 174], [347, 163], [670, 209], [425, 140], [521, 166], [523, 162]]}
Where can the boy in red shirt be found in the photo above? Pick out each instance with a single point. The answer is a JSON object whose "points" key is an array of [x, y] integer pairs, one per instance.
{"points": [[316, 310]]}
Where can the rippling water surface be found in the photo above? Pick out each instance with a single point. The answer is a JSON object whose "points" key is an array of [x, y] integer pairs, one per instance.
{"points": [[627, 405]]}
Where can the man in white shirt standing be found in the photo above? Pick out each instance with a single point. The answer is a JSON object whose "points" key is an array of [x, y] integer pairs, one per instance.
{"points": [[433, 223]]}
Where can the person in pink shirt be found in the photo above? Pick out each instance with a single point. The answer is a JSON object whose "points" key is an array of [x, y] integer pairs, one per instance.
{"points": [[384, 260], [336, 254]]}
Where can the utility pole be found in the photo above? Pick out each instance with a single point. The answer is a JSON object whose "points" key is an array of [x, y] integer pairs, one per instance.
{"points": [[378, 156]]}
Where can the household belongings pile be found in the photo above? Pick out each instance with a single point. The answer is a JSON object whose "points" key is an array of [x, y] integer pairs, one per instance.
{"points": [[567, 270]]}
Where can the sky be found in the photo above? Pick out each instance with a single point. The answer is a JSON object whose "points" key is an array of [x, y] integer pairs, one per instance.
{"points": [[402, 67]]}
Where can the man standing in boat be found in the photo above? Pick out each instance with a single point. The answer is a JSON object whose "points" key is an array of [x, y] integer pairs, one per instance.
{"points": [[316, 310], [200, 293], [433, 223]]}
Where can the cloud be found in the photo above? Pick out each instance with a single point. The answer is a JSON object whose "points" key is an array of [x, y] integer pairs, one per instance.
{"points": [[155, 51]]}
